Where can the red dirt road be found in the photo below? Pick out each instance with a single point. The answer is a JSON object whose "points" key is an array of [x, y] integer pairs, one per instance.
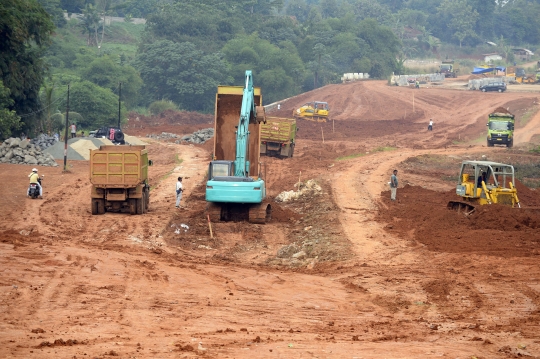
{"points": [[376, 279]]}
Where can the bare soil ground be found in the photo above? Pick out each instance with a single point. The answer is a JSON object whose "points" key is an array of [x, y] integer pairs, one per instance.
{"points": [[340, 273]]}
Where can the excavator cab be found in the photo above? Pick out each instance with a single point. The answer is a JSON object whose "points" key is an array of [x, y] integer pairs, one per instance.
{"points": [[484, 182]]}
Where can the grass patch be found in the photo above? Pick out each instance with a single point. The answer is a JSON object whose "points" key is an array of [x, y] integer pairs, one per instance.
{"points": [[349, 157], [362, 154], [177, 159], [527, 116], [162, 178]]}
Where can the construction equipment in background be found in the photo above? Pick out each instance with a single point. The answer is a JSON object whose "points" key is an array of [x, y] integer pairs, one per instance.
{"points": [[484, 182], [278, 137], [500, 128], [447, 68], [235, 190], [313, 111], [119, 177]]}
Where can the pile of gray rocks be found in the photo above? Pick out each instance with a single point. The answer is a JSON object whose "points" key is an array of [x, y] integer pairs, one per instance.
{"points": [[17, 151], [43, 141], [200, 136], [163, 136]]}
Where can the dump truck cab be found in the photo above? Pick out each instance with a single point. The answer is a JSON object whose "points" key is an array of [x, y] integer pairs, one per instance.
{"points": [[447, 69], [500, 129]]}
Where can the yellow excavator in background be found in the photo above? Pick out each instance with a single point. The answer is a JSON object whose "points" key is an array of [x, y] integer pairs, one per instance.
{"points": [[313, 111], [484, 182]]}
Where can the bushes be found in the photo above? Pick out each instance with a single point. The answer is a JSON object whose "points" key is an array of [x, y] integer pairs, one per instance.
{"points": [[158, 107]]}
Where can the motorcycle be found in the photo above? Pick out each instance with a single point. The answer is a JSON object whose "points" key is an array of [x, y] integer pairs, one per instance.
{"points": [[33, 191]]}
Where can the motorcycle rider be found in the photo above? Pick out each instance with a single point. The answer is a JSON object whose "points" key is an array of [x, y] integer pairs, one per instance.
{"points": [[34, 178]]}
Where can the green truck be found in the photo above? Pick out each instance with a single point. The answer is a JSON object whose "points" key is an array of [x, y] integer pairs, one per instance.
{"points": [[119, 177], [500, 128], [278, 136]]}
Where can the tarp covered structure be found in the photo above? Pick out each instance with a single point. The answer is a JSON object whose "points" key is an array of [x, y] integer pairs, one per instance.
{"points": [[483, 70]]}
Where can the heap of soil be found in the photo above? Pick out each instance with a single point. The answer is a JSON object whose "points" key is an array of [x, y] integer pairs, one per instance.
{"points": [[421, 214], [501, 110]]}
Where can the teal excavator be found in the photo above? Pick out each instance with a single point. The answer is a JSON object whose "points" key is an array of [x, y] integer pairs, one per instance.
{"points": [[235, 190]]}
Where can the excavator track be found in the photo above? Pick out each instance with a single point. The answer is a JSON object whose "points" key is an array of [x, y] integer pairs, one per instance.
{"points": [[260, 213], [214, 211]]}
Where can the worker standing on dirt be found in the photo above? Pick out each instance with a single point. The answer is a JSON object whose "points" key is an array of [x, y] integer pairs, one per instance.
{"points": [[179, 190], [393, 185], [73, 130], [417, 84], [430, 126]]}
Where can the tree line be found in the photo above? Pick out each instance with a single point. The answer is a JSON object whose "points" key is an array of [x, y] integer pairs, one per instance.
{"points": [[188, 47]]}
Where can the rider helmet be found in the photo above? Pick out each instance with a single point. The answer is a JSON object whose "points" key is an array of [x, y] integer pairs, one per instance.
{"points": [[34, 169]]}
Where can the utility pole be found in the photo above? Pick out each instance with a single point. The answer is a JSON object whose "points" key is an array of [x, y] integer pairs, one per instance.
{"points": [[119, 103], [66, 133]]}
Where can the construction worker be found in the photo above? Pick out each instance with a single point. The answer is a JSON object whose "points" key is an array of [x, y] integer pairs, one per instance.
{"points": [[393, 185], [430, 126], [179, 190], [34, 178], [417, 84]]}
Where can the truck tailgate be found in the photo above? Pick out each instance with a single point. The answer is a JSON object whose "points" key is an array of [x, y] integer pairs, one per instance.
{"points": [[121, 167], [277, 129]]}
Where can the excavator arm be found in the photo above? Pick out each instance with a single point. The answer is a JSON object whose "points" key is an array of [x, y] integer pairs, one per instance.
{"points": [[248, 113]]}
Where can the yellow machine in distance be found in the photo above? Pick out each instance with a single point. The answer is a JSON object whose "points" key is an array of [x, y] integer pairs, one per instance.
{"points": [[313, 111], [484, 182]]}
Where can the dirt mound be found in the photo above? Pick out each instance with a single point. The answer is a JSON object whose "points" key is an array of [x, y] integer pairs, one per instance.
{"points": [[179, 122], [421, 214], [501, 110]]}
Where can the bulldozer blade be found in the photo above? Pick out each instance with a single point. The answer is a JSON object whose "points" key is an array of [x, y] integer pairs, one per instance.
{"points": [[461, 207]]}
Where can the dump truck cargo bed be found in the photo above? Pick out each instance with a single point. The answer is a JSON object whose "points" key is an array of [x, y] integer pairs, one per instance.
{"points": [[118, 166]]}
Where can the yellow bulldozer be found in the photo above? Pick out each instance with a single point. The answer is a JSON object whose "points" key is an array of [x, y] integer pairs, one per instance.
{"points": [[313, 111], [484, 182]]}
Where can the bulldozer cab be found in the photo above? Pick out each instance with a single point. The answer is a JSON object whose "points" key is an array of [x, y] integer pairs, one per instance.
{"points": [[493, 174], [321, 105]]}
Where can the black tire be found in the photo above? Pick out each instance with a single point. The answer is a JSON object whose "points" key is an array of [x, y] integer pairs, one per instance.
{"points": [[510, 144], [292, 151], [489, 144], [483, 90], [500, 90], [94, 205], [119, 136], [145, 202], [147, 205], [100, 206], [139, 203], [132, 206]]}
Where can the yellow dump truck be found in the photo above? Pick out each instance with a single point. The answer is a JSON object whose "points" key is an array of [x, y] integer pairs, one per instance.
{"points": [[119, 177], [278, 136]]}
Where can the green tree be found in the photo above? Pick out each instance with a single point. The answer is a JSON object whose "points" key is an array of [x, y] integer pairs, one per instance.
{"points": [[25, 30], [98, 106], [54, 9], [105, 72], [462, 18], [182, 73], [9, 121]]}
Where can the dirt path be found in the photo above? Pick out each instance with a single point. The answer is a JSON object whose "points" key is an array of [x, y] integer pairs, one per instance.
{"points": [[77, 285]]}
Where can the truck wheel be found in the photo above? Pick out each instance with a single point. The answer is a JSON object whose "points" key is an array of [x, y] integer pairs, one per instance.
{"points": [[94, 205], [292, 150], [140, 205], [100, 206], [147, 204], [132, 206], [489, 144], [145, 201], [510, 144]]}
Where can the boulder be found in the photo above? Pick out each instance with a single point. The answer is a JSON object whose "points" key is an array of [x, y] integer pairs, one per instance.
{"points": [[31, 160], [23, 144]]}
